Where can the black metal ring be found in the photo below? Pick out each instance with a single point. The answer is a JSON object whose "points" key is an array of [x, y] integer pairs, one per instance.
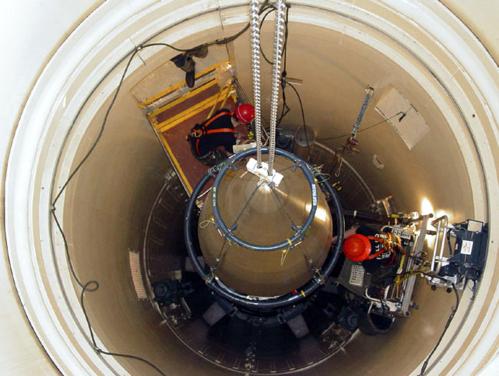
{"points": [[190, 226]]}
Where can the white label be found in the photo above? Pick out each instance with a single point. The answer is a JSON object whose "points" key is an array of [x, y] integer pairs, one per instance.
{"points": [[357, 275], [467, 247]]}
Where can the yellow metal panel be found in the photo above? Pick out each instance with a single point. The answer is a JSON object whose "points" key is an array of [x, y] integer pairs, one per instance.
{"points": [[188, 95], [176, 164], [221, 94], [178, 85], [159, 128], [194, 110]]}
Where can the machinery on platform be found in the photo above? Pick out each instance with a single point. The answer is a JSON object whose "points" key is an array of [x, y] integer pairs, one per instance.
{"points": [[383, 261]]}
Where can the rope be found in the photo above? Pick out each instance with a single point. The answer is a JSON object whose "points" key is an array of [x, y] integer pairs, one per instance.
{"points": [[276, 78], [255, 67]]}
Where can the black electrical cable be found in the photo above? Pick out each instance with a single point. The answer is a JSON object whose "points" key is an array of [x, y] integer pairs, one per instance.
{"points": [[285, 50], [304, 123], [217, 42], [231, 38], [285, 107], [93, 285], [400, 114], [446, 327], [271, 10]]}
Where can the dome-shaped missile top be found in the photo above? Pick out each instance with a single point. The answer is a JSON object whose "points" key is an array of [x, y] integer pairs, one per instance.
{"points": [[263, 213]]}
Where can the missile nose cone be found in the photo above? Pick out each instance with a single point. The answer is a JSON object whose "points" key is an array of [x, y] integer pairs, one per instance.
{"points": [[263, 214]]}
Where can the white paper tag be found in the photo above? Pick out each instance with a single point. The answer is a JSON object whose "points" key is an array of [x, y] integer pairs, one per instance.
{"points": [[466, 247], [357, 275]]}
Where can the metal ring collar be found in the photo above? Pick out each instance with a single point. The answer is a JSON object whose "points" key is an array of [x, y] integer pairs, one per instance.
{"points": [[192, 245], [299, 232]]}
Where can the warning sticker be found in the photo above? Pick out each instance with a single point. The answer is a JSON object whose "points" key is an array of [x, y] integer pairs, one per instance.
{"points": [[357, 275], [467, 247]]}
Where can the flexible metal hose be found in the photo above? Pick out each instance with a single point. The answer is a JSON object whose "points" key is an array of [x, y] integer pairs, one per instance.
{"points": [[255, 67], [276, 78]]}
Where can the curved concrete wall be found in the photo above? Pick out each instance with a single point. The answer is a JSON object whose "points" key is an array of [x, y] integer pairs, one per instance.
{"points": [[104, 217]]}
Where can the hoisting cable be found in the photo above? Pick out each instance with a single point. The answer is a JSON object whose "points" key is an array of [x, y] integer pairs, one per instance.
{"points": [[276, 79], [284, 82], [255, 67], [452, 314]]}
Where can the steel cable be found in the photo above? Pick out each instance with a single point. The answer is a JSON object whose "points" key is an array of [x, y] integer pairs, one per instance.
{"points": [[276, 79], [255, 67]]}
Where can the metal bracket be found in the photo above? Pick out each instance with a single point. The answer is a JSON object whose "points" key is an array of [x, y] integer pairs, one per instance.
{"points": [[411, 281], [262, 172]]}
